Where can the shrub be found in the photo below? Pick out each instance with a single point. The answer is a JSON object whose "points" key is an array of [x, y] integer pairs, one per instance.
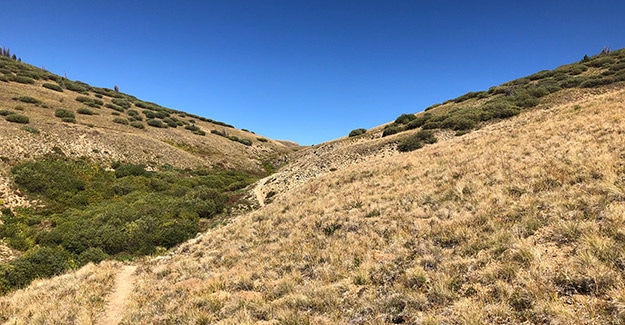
{"points": [[459, 122], [30, 129], [5, 112], [69, 120], [54, 87], [85, 111], [149, 114], [114, 107], [405, 118], [23, 80], [156, 123], [64, 113], [17, 118], [194, 128], [469, 95], [572, 82], [417, 141], [121, 102], [357, 132], [124, 170], [121, 120], [138, 125], [170, 122], [596, 82], [92, 254], [262, 139], [27, 99], [419, 121], [498, 109], [246, 142], [390, 130]]}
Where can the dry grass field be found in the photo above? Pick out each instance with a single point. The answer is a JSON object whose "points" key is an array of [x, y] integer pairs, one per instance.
{"points": [[521, 221]]}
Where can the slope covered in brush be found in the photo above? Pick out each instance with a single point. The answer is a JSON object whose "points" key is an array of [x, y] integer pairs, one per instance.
{"points": [[519, 221]]}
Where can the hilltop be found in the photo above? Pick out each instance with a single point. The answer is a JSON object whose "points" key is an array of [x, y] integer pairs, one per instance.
{"points": [[508, 207]]}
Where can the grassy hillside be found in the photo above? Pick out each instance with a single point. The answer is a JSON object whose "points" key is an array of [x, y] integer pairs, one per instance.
{"points": [[89, 173], [520, 220], [42, 113]]}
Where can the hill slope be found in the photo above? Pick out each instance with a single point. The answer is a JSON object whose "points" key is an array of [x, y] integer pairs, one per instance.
{"points": [[108, 126], [521, 220]]}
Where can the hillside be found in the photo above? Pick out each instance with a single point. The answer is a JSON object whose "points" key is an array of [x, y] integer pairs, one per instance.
{"points": [[107, 125], [503, 219]]}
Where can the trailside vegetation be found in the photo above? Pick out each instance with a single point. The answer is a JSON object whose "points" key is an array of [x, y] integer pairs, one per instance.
{"points": [[86, 213]]}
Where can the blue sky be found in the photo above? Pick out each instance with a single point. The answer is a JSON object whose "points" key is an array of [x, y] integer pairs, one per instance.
{"points": [[306, 71]]}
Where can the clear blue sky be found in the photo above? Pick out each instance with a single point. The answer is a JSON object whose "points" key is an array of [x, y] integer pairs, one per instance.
{"points": [[307, 71]]}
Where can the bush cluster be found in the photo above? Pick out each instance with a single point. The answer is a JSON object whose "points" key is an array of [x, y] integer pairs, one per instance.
{"points": [[357, 132], [85, 111], [224, 134], [64, 113], [54, 87], [17, 118], [417, 141], [92, 102], [28, 99], [92, 213]]}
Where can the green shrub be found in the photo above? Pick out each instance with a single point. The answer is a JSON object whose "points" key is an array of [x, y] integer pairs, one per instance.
{"points": [[121, 120], [37, 263], [572, 82], [93, 255], [459, 122], [149, 114], [357, 132], [390, 130], [132, 112], [599, 62], [54, 87], [92, 102], [596, 82], [417, 141], [419, 121], [121, 102], [405, 118], [124, 170], [246, 142], [262, 139], [138, 125], [194, 128], [170, 122], [64, 113], [469, 95], [69, 120], [30, 129], [5, 112], [498, 109], [17, 118], [114, 107], [156, 123], [77, 86], [85, 111], [23, 80], [27, 99]]}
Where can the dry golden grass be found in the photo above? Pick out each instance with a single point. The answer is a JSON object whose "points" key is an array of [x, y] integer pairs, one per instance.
{"points": [[521, 221]]}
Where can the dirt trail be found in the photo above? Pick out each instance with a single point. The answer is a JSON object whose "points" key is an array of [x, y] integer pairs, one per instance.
{"points": [[124, 283]]}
